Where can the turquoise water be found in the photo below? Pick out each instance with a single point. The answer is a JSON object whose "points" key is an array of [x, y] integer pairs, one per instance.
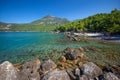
{"points": [[22, 46]]}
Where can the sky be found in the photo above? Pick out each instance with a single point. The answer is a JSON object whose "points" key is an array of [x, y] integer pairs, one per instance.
{"points": [[25, 11]]}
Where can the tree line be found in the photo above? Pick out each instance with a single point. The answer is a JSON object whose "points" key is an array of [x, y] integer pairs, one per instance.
{"points": [[103, 22]]}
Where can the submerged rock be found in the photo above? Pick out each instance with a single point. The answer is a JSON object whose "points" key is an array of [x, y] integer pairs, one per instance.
{"points": [[29, 70], [110, 76], [91, 70], [73, 54], [62, 58], [56, 75], [8, 71]]}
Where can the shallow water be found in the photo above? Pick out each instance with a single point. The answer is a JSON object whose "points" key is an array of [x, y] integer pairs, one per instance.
{"points": [[23, 46]]}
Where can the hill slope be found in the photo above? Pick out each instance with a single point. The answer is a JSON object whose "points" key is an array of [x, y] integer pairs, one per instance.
{"points": [[50, 20], [107, 22], [47, 23]]}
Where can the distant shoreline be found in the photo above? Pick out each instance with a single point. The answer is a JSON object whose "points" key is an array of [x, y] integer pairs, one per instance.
{"points": [[22, 31], [99, 36]]}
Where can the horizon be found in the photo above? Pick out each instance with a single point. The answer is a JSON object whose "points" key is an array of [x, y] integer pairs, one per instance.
{"points": [[24, 11]]}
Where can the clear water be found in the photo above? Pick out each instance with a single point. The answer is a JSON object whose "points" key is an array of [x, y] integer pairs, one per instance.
{"points": [[22, 46]]}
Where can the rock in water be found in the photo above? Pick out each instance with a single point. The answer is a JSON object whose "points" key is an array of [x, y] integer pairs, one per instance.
{"points": [[62, 58], [56, 75], [8, 71], [72, 55], [91, 70], [110, 76]]}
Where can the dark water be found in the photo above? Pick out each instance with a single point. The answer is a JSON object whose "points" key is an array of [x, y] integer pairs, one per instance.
{"points": [[22, 46]]}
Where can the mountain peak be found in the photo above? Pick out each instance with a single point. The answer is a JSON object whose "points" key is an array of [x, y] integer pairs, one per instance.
{"points": [[49, 16], [51, 20]]}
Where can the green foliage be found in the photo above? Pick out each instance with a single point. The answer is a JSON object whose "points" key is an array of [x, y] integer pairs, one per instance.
{"points": [[96, 23]]}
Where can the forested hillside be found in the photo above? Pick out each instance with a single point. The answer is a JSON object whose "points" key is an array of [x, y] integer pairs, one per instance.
{"points": [[103, 22]]}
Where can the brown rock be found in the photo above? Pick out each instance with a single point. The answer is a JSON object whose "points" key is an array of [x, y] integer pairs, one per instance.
{"points": [[62, 58], [68, 50], [80, 64]]}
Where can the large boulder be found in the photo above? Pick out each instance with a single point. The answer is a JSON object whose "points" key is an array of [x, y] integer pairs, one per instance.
{"points": [[110, 76], [8, 71], [29, 70], [91, 70], [56, 75], [47, 65]]}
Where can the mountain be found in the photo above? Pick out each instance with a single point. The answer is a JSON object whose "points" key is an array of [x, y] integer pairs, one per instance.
{"points": [[47, 23], [4, 26], [50, 20]]}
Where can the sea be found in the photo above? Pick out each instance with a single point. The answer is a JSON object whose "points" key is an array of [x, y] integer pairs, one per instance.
{"points": [[23, 46]]}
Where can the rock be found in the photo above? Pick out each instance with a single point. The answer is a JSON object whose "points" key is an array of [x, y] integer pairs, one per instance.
{"points": [[67, 50], [27, 75], [110, 76], [29, 70], [56, 75], [80, 53], [47, 65], [33, 65], [77, 72], [70, 73], [91, 70], [71, 55], [8, 71], [113, 69], [83, 77], [81, 49], [80, 64], [62, 58]]}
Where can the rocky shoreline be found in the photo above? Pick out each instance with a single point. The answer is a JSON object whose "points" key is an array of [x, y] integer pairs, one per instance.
{"points": [[88, 36], [73, 65]]}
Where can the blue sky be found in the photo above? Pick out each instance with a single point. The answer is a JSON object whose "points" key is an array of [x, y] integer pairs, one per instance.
{"points": [[24, 11]]}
